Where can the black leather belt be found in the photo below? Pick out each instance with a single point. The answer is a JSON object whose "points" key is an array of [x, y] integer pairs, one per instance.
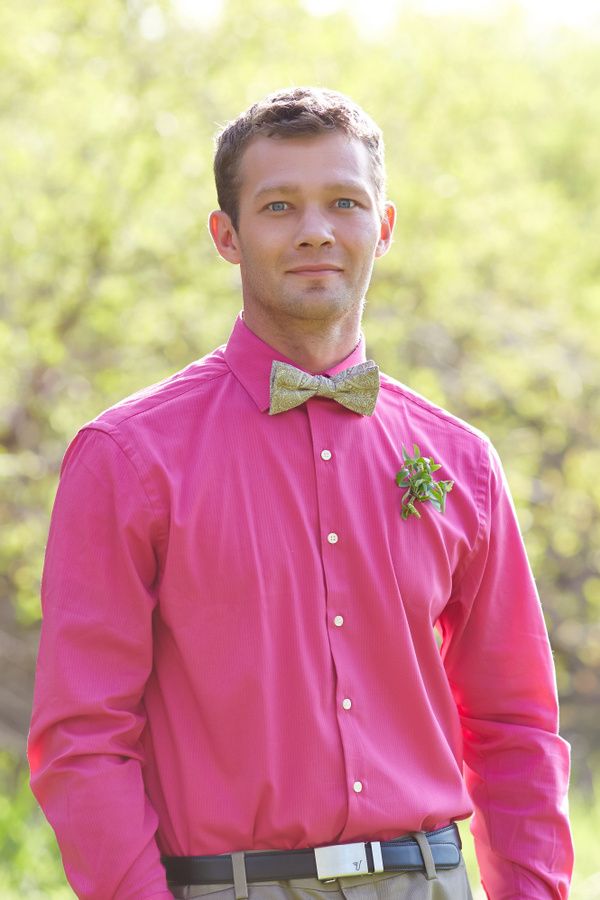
{"points": [[400, 855]]}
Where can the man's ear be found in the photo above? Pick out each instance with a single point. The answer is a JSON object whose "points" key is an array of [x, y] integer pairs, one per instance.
{"points": [[224, 235], [387, 227]]}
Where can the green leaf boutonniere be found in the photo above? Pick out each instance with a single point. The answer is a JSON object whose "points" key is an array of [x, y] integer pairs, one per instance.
{"points": [[415, 475]]}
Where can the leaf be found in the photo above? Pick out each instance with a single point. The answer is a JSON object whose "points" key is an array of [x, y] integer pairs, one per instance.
{"points": [[416, 475]]}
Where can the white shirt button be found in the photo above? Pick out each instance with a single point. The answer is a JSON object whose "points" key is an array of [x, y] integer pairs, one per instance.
{"points": [[332, 537], [325, 454], [339, 621], [347, 703], [357, 786]]}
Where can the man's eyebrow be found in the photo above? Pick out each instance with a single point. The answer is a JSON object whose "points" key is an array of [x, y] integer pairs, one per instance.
{"points": [[341, 187], [277, 189]]}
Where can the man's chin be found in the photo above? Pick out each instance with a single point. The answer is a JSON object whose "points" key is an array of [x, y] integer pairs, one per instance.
{"points": [[320, 304], [323, 313]]}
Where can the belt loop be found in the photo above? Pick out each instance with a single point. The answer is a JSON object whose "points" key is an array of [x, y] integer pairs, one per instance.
{"points": [[430, 870], [240, 884]]}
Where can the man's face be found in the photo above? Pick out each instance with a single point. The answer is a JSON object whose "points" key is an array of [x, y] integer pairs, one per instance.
{"points": [[308, 228]]}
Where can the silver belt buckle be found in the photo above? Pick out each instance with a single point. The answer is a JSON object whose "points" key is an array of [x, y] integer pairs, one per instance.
{"points": [[347, 860]]}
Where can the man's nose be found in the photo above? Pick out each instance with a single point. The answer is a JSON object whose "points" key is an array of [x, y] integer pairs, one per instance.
{"points": [[315, 230]]}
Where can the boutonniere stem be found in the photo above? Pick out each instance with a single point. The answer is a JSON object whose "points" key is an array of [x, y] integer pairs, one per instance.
{"points": [[416, 475]]}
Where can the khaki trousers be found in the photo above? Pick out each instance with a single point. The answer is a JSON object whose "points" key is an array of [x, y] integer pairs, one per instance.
{"points": [[451, 884]]}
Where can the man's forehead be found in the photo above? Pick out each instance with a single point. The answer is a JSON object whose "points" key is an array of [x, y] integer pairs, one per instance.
{"points": [[333, 158]]}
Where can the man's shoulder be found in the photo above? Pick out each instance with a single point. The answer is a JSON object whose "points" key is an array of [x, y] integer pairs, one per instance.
{"points": [[423, 411], [166, 397]]}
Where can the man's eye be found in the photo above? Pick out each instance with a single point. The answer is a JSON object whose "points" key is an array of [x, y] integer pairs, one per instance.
{"points": [[345, 203], [277, 206]]}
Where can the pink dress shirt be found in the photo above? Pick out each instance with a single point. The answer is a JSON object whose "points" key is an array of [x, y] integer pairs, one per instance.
{"points": [[238, 648]]}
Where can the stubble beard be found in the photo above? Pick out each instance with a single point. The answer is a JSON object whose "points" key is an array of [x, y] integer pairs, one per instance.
{"points": [[313, 302]]}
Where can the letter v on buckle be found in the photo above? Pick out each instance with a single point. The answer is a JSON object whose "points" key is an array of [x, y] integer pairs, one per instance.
{"points": [[346, 860]]}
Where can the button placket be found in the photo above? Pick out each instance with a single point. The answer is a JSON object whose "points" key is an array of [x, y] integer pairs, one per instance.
{"points": [[337, 554]]}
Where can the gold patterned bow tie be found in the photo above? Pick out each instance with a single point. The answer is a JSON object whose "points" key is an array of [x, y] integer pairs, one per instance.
{"points": [[355, 388]]}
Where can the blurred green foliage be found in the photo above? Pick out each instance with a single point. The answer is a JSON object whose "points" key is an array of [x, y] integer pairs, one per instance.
{"points": [[489, 302], [30, 863]]}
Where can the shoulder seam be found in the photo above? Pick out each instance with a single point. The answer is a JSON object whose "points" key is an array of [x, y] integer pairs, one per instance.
{"points": [[110, 433], [438, 413], [99, 421], [482, 514]]}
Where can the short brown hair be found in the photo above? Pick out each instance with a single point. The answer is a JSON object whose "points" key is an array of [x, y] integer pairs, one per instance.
{"points": [[293, 112]]}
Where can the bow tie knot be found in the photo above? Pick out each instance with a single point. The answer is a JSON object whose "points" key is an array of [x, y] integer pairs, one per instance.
{"points": [[355, 388]]}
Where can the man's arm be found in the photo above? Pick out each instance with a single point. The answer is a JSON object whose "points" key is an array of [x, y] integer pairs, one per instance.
{"points": [[94, 659], [498, 660]]}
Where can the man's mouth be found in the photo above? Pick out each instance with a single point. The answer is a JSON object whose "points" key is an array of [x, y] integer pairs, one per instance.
{"points": [[314, 270]]}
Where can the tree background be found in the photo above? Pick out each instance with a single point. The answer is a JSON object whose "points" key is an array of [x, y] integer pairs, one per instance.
{"points": [[489, 302]]}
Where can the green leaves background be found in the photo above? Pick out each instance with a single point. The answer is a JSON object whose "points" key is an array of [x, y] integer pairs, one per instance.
{"points": [[489, 302]]}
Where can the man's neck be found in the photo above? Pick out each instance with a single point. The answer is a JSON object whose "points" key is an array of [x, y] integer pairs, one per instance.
{"points": [[313, 349]]}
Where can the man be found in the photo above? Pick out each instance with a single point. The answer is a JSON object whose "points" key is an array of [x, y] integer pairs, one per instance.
{"points": [[238, 650]]}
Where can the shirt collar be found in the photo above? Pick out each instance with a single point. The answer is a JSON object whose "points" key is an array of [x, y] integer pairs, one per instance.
{"points": [[250, 359]]}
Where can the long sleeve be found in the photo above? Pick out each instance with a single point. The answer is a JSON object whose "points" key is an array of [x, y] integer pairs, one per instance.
{"points": [[94, 659], [498, 661]]}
